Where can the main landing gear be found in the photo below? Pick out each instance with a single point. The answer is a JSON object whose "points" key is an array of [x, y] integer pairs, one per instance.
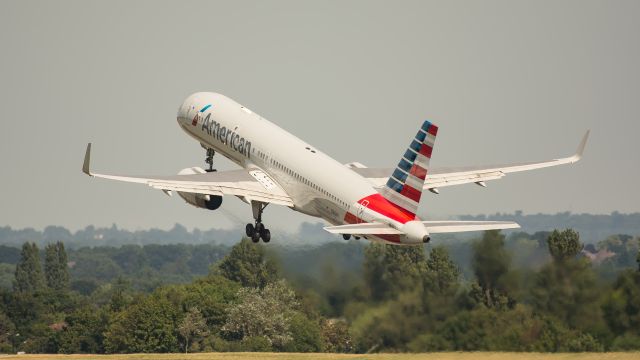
{"points": [[258, 231], [209, 160]]}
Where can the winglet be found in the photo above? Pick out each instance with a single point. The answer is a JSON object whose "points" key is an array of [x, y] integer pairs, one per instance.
{"points": [[581, 147], [87, 161]]}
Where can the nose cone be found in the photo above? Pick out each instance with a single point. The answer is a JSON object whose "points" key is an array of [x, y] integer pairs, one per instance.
{"points": [[188, 108], [183, 112], [415, 232]]}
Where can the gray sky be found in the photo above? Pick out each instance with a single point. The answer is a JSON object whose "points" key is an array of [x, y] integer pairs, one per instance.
{"points": [[505, 80]]}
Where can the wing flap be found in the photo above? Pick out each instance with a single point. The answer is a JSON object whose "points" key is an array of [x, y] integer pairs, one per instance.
{"points": [[436, 182]]}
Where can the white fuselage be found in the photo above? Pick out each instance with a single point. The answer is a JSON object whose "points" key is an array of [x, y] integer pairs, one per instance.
{"points": [[318, 185]]}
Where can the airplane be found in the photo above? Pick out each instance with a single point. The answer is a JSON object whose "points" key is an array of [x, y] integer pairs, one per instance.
{"points": [[378, 204]]}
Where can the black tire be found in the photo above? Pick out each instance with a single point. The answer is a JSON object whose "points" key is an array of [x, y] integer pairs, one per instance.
{"points": [[255, 237], [266, 235], [259, 228], [250, 230], [346, 236]]}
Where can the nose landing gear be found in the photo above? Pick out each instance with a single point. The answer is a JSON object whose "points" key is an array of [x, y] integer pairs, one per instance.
{"points": [[258, 231], [209, 159]]}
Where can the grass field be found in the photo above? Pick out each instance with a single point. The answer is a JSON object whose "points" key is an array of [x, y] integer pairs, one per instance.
{"points": [[287, 356]]}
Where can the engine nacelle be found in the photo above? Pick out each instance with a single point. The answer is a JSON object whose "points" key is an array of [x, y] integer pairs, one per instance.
{"points": [[203, 201]]}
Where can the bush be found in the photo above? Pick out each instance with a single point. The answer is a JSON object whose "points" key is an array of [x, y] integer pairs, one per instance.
{"points": [[626, 342], [256, 344], [306, 335]]}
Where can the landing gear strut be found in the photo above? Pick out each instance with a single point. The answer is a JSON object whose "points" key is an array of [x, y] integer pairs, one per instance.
{"points": [[209, 159], [258, 231]]}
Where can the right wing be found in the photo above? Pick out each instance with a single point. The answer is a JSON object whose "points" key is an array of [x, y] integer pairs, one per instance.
{"points": [[440, 177], [253, 185]]}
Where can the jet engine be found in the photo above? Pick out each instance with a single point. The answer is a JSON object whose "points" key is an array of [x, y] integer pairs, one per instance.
{"points": [[203, 201]]}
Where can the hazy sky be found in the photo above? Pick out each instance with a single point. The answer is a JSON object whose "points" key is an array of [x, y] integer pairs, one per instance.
{"points": [[506, 81]]}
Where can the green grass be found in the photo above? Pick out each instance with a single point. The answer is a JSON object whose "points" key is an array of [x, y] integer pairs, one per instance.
{"points": [[278, 356]]}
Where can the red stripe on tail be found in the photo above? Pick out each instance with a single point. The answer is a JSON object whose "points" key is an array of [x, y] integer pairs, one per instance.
{"points": [[411, 193], [426, 150], [418, 172]]}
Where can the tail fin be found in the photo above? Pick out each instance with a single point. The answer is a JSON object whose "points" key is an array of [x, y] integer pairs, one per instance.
{"points": [[404, 186]]}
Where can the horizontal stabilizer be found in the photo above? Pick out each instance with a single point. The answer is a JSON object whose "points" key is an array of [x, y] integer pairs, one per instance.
{"points": [[433, 227], [363, 229], [440, 227]]}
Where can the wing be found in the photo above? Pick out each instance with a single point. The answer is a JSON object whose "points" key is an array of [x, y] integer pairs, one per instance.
{"points": [[440, 177], [252, 185]]}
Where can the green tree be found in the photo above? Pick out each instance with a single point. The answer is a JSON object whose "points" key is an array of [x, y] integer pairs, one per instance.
{"points": [[28, 275], [7, 334], [336, 337], [490, 264], [84, 331], [390, 325], [146, 326], [441, 273], [626, 342], [120, 294], [248, 264], [390, 270], [622, 305], [566, 288], [266, 312], [564, 244], [213, 296], [192, 327], [307, 335], [55, 267]]}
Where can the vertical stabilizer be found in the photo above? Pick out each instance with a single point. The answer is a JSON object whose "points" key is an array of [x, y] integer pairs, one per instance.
{"points": [[404, 187]]}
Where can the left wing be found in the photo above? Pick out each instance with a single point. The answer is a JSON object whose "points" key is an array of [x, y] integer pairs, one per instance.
{"points": [[440, 177], [248, 185]]}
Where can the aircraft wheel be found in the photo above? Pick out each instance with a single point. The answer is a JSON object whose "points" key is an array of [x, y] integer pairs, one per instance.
{"points": [[259, 228], [250, 229], [255, 237], [266, 235], [346, 236]]}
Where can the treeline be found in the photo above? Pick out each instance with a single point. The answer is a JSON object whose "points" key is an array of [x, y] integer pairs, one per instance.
{"points": [[365, 298], [143, 267], [592, 228], [113, 236]]}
